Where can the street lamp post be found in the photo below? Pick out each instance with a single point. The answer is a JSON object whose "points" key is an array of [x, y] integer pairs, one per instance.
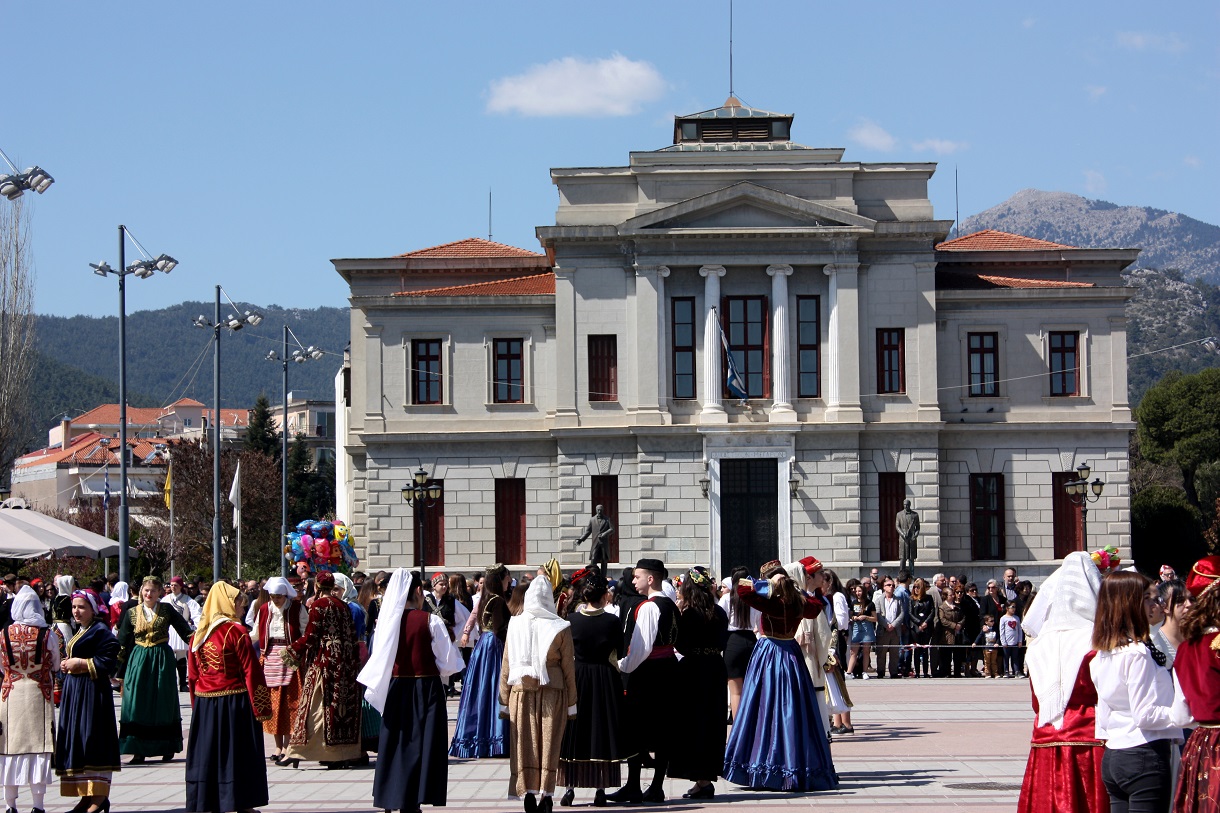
{"points": [[421, 494], [143, 269], [15, 185], [300, 356], [1079, 493], [234, 323]]}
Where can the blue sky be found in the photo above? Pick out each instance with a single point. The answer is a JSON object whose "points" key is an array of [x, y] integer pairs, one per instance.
{"points": [[254, 142]]}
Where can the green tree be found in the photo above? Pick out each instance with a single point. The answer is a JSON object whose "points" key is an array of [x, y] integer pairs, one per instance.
{"points": [[261, 435], [300, 482], [1179, 425], [1165, 529]]}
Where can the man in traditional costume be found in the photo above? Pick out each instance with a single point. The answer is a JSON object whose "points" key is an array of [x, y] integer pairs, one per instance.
{"points": [[1197, 667], [653, 691], [326, 727], [411, 654]]}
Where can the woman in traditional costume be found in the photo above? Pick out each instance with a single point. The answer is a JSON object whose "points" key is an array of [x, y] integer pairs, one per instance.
{"points": [[1063, 772], [87, 743], [326, 727], [411, 655], [277, 623], [703, 628], [1197, 667], [538, 690], [30, 658], [150, 722], [778, 739], [814, 636], [592, 746], [225, 770], [481, 730], [119, 596]]}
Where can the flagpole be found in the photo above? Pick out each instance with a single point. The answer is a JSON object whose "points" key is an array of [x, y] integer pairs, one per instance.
{"points": [[169, 477], [106, 501]]}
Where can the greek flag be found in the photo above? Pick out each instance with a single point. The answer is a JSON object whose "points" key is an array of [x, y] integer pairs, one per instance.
{"points": [[106, 493], [733, 382]]}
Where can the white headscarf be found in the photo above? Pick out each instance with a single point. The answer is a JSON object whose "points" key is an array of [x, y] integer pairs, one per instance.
{"points": [[347, 586], [279, 586], [671, 593], [64, 585], [27, 608], [531, 634], [120, 594], [1061, 621], [379, 670]]}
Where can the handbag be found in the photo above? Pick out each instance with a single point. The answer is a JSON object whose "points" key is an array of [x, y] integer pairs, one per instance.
{"points": [[835, 703]]}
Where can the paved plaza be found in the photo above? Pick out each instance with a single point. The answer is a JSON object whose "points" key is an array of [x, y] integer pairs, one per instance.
{"points": [[928, 744]]}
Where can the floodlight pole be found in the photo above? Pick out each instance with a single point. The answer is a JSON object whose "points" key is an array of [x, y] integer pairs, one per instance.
{"points": [[124, 557], [216, 551], [284, 465]]}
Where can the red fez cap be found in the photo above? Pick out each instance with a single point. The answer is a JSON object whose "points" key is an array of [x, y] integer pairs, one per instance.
{"points": [[325, 580], [811, 565], [1203, 575]]}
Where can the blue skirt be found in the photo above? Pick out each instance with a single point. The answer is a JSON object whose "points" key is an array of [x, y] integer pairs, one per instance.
{"points": [[778, 741], [480, 730]]}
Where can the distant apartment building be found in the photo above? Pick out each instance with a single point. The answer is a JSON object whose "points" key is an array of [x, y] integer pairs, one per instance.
{"points": [[313, 420]]}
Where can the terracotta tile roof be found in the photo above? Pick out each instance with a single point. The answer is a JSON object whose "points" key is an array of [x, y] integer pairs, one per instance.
{"points": [[470, 248], [87, 450], [230, 417], [535, 285], [993, 240], [108, 415], [965, 280], [191, 402]]}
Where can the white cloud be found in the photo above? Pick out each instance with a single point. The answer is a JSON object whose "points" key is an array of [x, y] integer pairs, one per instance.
{"points": [[872, 136], [1145, 41], [1029, 22], [940, 146], [1192, 161], [1094, 182], [571, 86], [1095, 91]]}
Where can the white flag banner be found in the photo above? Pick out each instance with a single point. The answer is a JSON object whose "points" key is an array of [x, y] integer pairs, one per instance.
{"points": [[235, 499]]}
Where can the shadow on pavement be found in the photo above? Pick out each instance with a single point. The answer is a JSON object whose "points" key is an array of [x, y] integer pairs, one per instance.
{"points": [[885, 777]]}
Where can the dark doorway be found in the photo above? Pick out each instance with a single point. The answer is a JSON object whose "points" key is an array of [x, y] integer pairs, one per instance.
{"points": [[434, 531], [892, 488], [749, 521], [510, 521], [1065, 514]]}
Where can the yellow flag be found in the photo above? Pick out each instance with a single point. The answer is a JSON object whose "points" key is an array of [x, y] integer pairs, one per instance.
{"points": [[169, 487]]}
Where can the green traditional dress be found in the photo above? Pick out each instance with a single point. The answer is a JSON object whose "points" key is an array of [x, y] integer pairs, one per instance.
{"points": [[150, 722]]}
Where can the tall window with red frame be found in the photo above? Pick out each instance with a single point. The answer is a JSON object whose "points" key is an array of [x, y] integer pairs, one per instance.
{"points": [[1064, 348], [434, 530], [604, 492], [426, 371], [892, 490], [983, 358], [682, 347], [747, 331], [603, 368], [509, 385], [987, 516], [891, 360], [510, 520], [1065, 515], [808, 347]]}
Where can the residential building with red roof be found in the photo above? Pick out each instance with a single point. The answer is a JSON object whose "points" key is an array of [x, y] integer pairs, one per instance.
{"points": [[745, 349]]}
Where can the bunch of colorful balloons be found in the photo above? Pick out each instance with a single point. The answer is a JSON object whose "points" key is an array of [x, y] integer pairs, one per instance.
{"points": [[324, 546]]}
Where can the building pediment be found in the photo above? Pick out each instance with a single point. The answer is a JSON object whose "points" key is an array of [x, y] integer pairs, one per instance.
{"points": [[746, 206]]}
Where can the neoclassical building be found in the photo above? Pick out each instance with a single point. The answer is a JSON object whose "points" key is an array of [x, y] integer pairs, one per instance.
{"points": [[744, 348]]}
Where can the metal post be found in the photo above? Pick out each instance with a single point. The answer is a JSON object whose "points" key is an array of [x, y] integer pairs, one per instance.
{"points": [[124, 564], [420, 508], [216, 552], [1084, 522], [284, 465]]}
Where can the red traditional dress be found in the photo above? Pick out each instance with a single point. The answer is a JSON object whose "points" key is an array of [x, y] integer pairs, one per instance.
{"points": [[225, 767], [274, 630], [326, 727], [1197, 666], [1063, 772]]}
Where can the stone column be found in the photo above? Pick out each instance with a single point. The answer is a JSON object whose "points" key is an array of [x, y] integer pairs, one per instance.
{"points": [[843, 381], [565, 348], [647, 343], [713, 410], [927, 399], [781, 347], [374, 391]]}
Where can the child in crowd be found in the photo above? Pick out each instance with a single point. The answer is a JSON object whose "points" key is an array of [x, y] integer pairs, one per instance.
{"points": [[988, 639], [1010, 639]]}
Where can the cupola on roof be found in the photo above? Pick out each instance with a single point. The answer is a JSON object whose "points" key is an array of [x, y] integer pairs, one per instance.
{"points": [[733, 126]]}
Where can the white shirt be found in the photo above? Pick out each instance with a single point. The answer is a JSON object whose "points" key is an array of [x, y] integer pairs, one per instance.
{"points": [[1135, 698], [842, 615], [448, 656], [647, 617], [726, 604]]}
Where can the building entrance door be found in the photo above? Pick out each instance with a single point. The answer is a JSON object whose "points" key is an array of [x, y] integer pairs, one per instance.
{"points": [[749, 499]]}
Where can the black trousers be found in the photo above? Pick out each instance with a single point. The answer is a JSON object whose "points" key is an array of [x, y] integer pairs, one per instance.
{"points": [[1137, 778]]}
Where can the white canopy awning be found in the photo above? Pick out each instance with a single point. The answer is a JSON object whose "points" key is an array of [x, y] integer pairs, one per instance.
{"points": [[27, 534]]}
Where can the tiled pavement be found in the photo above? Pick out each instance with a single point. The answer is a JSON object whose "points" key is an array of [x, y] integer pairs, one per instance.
{"points": [[931, 745]]}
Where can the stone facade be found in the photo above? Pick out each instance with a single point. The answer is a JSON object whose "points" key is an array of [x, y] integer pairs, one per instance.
{"points": [[534, 384]]}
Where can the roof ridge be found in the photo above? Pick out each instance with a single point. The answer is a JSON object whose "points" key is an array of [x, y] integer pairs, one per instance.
{"points": [[444, 249], [996, 240], [488, 285]]}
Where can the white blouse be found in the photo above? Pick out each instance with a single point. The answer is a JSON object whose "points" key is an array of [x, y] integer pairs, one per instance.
{"points": [[1135, 698]]}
